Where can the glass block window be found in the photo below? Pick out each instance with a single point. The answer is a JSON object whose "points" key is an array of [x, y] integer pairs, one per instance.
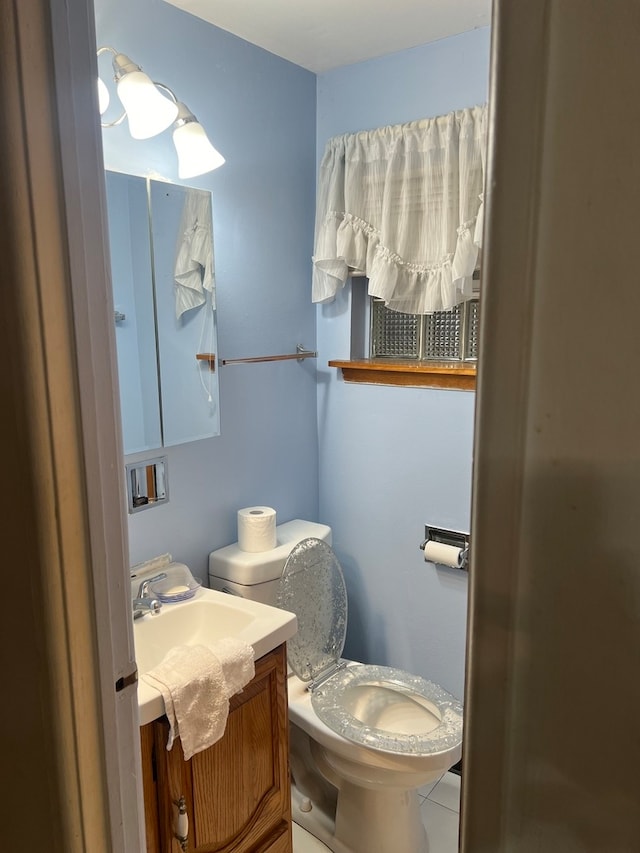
{"points": [[394, 335], [472, 330], [442, 336]]}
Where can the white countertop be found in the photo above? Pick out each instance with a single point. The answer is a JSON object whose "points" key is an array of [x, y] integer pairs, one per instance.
{"points": [[207, 617]]}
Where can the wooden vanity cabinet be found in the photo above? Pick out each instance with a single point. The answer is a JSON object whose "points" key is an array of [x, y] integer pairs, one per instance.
{"points": [[237, 792]]}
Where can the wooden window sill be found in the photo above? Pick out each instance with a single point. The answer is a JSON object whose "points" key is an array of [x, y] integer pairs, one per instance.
{"points": [[421, 374]]}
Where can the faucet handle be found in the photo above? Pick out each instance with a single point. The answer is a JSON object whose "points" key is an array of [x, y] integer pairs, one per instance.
{"points": [[145, 605], [144, 586]]}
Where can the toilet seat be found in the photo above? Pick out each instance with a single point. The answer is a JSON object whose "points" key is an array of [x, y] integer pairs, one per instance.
{"points": [[379, 707], [389, 710]]}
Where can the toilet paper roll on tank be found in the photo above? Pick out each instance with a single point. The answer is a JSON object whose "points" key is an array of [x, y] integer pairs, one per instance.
{"points": [[257, 529], [443, 555]]}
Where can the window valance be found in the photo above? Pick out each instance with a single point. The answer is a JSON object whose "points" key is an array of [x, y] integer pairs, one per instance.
{"points": [[403, 204]]}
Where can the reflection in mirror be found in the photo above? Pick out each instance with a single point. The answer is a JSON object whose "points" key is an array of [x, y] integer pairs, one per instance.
{"points": [[185, 305], [127, 208], [161, 242], [147, 483]]}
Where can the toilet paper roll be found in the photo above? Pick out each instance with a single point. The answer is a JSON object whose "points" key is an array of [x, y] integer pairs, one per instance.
{"points": [[444, 555], [256, 529]]}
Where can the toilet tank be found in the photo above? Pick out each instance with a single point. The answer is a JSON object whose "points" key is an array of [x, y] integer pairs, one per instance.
{"points": [[257, 575]]}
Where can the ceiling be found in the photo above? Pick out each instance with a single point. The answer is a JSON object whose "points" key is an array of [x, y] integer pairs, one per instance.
{"points": [[324, 34]]}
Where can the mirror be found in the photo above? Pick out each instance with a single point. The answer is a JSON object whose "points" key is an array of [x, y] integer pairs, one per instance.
{"points": [[161, 244], [147, 483]]}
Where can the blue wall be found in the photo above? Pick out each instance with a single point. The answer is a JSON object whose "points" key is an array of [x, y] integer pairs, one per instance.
{"points": [[393, 459], [260, 113], [375, 463]]}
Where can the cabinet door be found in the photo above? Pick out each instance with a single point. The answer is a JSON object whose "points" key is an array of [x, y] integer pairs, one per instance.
{"points": [[236, 792], [150, 788]]}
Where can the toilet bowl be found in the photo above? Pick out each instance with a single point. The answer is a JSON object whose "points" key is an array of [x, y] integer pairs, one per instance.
{"points": [[364, 738]]}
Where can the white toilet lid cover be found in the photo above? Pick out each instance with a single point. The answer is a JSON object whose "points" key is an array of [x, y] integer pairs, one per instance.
{"points": [[312, 586]]}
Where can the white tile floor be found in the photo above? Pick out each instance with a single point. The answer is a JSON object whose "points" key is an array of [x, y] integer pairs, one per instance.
{"points": [[440, 813], [440, 810]]}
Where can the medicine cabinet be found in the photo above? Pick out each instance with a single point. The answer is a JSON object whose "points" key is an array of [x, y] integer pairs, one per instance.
{"points": [[167, 367]]}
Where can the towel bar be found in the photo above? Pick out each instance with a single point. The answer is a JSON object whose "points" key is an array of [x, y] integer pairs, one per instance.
{"points": [[300, 354]]}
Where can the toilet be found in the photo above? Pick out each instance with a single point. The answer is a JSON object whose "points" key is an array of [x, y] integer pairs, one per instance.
{"points": [[363, 738]]}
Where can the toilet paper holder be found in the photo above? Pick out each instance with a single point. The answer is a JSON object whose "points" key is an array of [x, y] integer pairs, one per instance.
{"points": [[446, 536]]}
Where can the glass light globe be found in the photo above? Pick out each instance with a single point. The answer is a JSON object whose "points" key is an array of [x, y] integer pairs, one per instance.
{"points": [[148, 112], [103, 96], [196, 155]]}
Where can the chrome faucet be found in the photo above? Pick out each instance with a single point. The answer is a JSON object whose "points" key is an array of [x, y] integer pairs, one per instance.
{"points": [[143, 602]]}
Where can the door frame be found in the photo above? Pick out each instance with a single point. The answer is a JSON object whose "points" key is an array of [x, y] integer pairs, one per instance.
{"points": [[64, 483]]}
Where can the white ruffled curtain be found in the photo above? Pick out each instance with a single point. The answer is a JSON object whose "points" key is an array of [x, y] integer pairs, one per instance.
{"points": [[403, 204]]}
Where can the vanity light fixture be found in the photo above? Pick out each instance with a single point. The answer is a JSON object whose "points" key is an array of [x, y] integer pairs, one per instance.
{"points": [[150, 112]]}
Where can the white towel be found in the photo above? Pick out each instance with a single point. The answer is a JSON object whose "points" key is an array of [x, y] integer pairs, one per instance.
{"points": [[193, 269], [196, 683], [236, 658]]}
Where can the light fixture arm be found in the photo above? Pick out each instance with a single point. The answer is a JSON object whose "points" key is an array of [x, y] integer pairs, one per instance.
{"points": [[121, 118], [115, 122], [169, 91], [184, 113], [106, 48]]}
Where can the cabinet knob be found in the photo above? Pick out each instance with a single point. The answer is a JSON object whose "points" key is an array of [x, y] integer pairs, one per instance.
{"points": [[181, 826]]}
